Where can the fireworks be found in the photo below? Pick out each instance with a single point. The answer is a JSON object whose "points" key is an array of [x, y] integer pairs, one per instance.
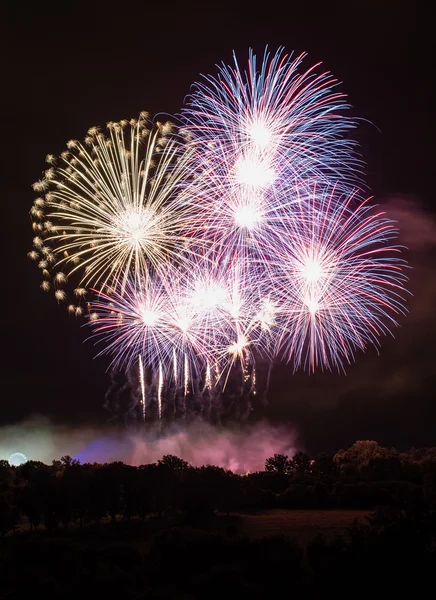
{"points": [[143, 318], [258, 138], [333, 285], [241, 233], [338, 281], [173, 320], [270, 123], [110, 208]]}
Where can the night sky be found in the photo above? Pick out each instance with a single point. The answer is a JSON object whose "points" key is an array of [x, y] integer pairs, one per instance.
{"points": [[69, 66]]}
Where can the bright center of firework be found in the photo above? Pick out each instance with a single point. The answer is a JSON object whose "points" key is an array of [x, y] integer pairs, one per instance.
{"points": [[183, 323], [252, 170], [312, 305], [236, 347], [148, 317], [247, 216], [134, 226], [266, 316], [208, 296], [312, 270], [235, 307], [259, 134]]}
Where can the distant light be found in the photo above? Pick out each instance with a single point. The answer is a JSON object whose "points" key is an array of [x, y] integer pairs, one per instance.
{"points": [[17, 458]]}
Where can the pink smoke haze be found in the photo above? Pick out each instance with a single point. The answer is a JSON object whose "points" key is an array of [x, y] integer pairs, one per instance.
{"points": [[417, 225], [240, 449]]}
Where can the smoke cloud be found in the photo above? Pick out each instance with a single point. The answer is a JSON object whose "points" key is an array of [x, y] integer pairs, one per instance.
{"points": [[240, 449]]}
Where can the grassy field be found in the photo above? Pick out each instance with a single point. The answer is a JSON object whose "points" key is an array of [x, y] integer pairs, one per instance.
{"points": [[302, 525]]}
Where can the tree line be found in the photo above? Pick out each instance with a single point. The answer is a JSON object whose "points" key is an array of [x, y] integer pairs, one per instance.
{"points": [[154, 531], [68, 493]]}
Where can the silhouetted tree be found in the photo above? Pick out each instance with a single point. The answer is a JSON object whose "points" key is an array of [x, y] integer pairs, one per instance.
{"points": [[9, 514], [7, 476], [301, 463], [174, 463], [67, 462], [26, 470], [357, 458], [279, 463], [323, 466], [111, 480]]}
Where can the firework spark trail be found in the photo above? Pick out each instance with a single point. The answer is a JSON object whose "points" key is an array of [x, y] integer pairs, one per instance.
{"points": [[159, 393], [268, 381], [186, 377], [142, 384], [186, 384], [208, 378], [175, 367]]}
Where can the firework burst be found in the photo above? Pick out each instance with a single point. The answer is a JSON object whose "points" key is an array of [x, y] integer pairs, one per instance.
{"points": [[143, 318], [111, 207], [243, 233], [204, 317], [338, 281], [272, 121]]}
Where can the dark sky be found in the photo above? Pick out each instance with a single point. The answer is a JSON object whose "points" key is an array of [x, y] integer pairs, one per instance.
{"points": [[68, 66]]}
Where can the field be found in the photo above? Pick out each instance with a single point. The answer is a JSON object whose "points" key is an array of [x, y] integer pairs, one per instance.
{"points": [[302, 525], [299, 525]]}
